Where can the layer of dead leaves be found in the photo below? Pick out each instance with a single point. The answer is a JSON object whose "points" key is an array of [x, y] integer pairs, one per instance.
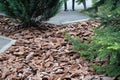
{"points": [[45, 54]]}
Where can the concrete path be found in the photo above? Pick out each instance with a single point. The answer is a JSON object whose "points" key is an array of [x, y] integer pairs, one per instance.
{"points": [[65, 17], [5, 43]]}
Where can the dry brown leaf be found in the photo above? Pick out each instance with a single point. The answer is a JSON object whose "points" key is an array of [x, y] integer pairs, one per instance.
{"points": [[53, 59], [30, 55]]}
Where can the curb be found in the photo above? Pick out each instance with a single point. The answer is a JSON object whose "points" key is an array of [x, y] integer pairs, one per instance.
{"points": [[68, 22]]}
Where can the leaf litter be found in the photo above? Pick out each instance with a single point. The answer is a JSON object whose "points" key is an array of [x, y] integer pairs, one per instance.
{"points": [[44, 54]]}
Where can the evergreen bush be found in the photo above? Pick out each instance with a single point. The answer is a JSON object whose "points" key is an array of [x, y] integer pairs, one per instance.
{"points": [[28, 12], [105, 45]]}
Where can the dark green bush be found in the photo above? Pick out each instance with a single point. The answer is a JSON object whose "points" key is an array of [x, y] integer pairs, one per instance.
{"points": [[105, 45], [28, 12]]}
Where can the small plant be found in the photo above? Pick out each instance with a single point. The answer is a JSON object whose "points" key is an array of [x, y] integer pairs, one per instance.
{"points": [[29, 12]]}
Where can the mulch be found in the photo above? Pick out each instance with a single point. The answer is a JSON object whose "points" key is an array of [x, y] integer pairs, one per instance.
{"points": [[43, 53]]}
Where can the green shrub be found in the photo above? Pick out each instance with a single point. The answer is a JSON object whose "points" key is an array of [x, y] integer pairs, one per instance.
{"points": [[28, 12], [105, 45], [84, 49]]}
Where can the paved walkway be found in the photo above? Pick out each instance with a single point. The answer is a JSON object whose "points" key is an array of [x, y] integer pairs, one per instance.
{"points": [[64, 17], [67, 17], [5, 43]]}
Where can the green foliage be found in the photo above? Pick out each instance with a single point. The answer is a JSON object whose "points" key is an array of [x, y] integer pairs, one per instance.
{"points": [[106, 10], [110, 69], [84, 49], [109, 12], [105, 45], [28, 12]]}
